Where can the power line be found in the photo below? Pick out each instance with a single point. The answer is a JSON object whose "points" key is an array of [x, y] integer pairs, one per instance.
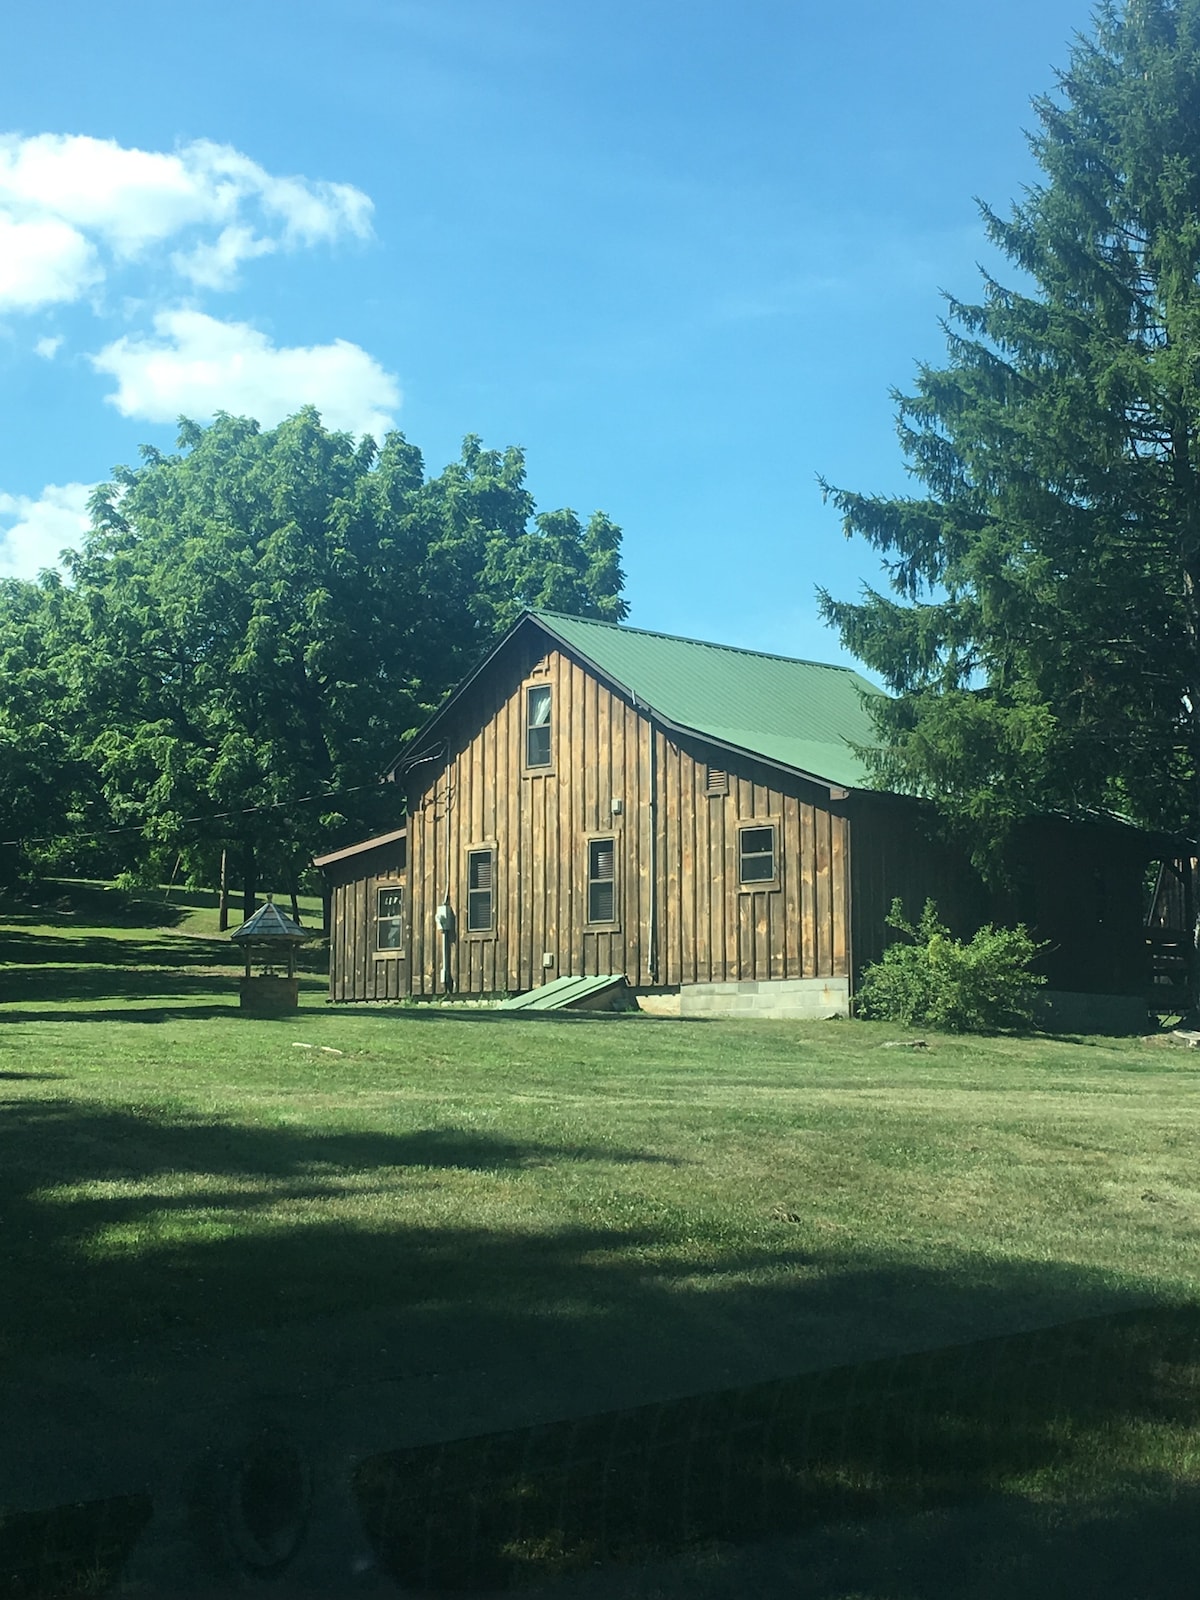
{"points": [[208, 816], [430, 753]]}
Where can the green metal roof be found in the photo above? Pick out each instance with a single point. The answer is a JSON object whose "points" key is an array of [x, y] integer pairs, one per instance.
{"points": [[800, 714]]}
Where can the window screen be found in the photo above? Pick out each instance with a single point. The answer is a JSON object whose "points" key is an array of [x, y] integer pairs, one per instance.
{"points": [[537, 726], [389, 919], [479, 891], [757, 851], [602, 885]]}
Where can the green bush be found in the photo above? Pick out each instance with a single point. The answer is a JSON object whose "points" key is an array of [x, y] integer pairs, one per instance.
{"points": [[941, 982]]}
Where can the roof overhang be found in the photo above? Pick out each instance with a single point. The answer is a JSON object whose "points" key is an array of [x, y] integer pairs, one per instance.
{"points": [[361, 848]]}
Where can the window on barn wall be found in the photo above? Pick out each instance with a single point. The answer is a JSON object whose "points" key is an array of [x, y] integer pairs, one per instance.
{"points": [[602, 880], [538, 702], [480, 883], [756, 853], [389, 919]]}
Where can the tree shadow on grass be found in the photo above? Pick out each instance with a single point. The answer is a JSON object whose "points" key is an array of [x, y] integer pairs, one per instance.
{"points": [[128, 1013], [50, 967], [39, 966], [135, 1012], [146, 1167], [68, 903], [33, 985], [97, 967], [806, 1405], [957, 1464], [102, 950], [1142, 1546], [185, 1223]]}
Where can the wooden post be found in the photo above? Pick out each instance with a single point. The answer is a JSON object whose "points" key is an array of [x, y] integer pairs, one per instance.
{"points": [[223, 895], [249, 882]]}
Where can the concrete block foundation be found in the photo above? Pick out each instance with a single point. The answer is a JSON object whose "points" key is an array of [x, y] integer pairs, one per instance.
{"points": [[783, 999]]}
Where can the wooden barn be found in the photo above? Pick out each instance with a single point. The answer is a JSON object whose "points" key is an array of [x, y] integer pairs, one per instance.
{"points": [[599, 799]]}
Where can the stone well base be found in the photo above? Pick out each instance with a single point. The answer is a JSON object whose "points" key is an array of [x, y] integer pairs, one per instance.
{"points": [[268, 995]]}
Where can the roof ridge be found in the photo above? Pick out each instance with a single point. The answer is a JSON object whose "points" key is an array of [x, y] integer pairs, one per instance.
{"points": [[706, 644]]}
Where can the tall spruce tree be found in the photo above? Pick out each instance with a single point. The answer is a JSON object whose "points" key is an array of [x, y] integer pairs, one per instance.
{"points": [[1042, 634]]}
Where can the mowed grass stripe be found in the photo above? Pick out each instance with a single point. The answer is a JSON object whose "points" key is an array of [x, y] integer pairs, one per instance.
{"points": [[179, 1142]]}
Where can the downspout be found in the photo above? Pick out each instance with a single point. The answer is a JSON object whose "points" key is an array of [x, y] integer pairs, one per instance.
{"points": [[444, 916], [445, 922], [849, 911]]}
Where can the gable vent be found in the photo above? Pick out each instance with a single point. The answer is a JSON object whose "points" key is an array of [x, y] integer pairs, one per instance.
{"points": [[717, 781]]}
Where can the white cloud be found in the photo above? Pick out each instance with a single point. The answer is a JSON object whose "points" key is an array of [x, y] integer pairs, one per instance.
{"points": [[64, 196], [196, 365], [43, 261], [215, 265], [39, 530], [48, 348]]}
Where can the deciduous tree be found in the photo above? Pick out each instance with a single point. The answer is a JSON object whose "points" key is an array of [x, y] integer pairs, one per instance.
{"points": [[261, 616]]}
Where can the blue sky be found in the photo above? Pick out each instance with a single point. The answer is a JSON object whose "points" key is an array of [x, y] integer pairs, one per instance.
{"points": [[680, 252]]}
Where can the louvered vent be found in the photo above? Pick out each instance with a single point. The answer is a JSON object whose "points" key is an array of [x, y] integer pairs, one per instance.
{"points": [[717, 781]]}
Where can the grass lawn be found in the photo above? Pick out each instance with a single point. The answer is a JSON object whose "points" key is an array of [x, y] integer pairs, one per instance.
{"points": [[716, 1204]]}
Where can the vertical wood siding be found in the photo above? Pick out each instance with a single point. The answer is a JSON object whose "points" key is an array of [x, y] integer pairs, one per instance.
{"points": [[539, 824], [715, 930], [356, 970]]}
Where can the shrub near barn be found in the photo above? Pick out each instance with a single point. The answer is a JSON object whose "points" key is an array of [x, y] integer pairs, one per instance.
{"points": [[963, 986]]}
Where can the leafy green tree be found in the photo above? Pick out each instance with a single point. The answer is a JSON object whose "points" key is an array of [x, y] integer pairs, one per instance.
{"points": [[46, 788], [264, 614], [1042, 634]]}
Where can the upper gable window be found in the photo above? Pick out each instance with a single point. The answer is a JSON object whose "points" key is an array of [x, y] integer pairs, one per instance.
{"points": [[756, 852], [538, 725]]}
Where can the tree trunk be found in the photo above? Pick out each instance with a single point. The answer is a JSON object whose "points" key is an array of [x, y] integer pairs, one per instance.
{"points": [[223, 895], [249, 882], [295, 901]]}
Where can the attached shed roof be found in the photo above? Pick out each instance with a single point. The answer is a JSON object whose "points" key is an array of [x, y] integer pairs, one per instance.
{"points": [[799, 714], [377, 842]]}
